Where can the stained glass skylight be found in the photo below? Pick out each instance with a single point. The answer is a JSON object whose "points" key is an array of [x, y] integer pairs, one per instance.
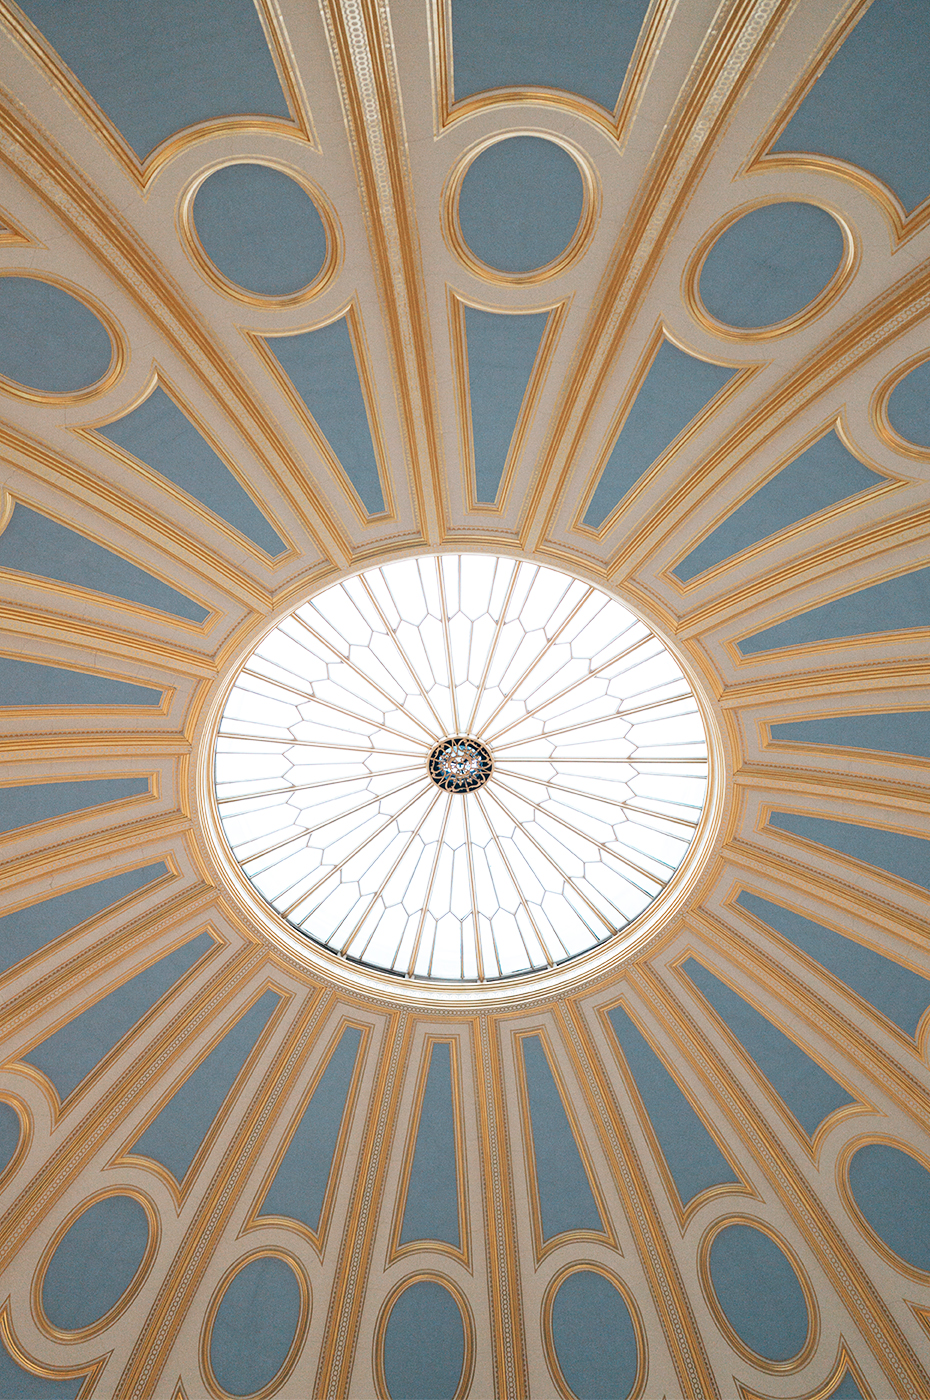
{"points": [[460, 767]]}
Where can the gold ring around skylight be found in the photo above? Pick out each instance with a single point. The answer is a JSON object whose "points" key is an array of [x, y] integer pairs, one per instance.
{"points": [[575, 792]]}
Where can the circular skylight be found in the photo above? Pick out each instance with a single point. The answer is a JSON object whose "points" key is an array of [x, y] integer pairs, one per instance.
{"points": [[460, 767]]}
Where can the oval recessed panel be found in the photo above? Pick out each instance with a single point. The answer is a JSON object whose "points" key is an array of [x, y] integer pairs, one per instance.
{"points": [[50, 341], [10, 1133], [520, 204], [95, 1262], [770, 264], [424, 1344], [593, 1337], [909, 406], [759, 1293], [255, 1325], [892, 1190], [260, 229]]}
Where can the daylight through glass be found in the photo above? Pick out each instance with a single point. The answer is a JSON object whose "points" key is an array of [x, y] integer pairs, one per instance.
{"points": [[460, 767]]}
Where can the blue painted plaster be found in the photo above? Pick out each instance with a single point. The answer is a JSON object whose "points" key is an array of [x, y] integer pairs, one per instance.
{"points": [[676, 389], [520, 203], [260, 228], [594, 1337], [18, 1384], [29, 683], [847, 1389], [49, 340], [908, 857], [909, 406], [892, 1190], [321, 366], [770, 264], [34, 544], [891, 606], [299, 1185], [822, 475], [566, 1201], [28, 930], [431, 1209], [584, 49], [808, 1091], [424, 1344], [173, 1137], [502, 351], [159, 434], [10, 1133], [891, 989], [159, 67], [694, 1159], [38, 802], [759, 1292], [95, 1263], [898, 731], [255, 1325], [68, 1055], [871, 105]]}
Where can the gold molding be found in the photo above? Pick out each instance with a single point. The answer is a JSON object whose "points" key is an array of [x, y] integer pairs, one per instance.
{"points": [[300, 1331], [578, 1266], [468, 1329], [873, 1238], [119, 347]]}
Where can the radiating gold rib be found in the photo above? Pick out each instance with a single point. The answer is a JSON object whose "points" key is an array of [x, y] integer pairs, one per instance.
{"points": [[316, 744], [601, 719], [344, 860], [342, 710], [444, 609], [474, 906], [429, 888], [599, 845], [552, 786], [539, 655], [401, 652], [388, 878], [567, 690], [498, 628], [516, 884], [367, 776]]}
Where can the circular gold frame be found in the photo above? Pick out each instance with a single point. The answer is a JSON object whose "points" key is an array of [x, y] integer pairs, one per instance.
{"points": [[300, 1331], [119, 351]]}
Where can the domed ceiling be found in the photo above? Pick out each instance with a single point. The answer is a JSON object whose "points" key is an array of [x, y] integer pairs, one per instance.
{"points": [[297, 301]]}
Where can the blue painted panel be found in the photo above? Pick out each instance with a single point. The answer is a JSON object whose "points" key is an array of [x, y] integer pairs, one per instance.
{"points": [[899, 731], [69, 1055], [260, 228], [566, 1201], [95, 1263], [424, 1344], [431, 1210], [34, 544], [759, 1292], [158, 433], [893, 990], [770, 264], [28, 930], [162, 66], [580, 48], [300, 1182], [871, 106], [847, 1389], [809, 1092], [502, 350], [255, 1325], [38, 802], [823, 474], [594, 1337], [676, 389], [173, 1137], [520, 203], [321, 365], [905, 856], [49, 340], [10, 1133], [694, 1159], [28, 683], [892, 606], [23, 1385], [892, 1189], [909, 406]]}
